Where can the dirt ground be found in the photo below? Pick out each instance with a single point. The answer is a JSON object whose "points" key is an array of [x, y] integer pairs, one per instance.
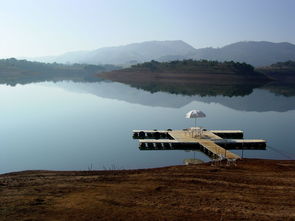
{"points": [[253, 190]]}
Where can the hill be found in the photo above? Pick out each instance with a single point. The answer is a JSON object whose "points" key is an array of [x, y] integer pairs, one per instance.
{"points": [[191, 77], [127, 54], [256, 53], [284, 75], [282, 71], [13, 71]]}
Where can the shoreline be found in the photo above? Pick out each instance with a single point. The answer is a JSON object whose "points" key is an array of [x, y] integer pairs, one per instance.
{"points": [[255, 189]]}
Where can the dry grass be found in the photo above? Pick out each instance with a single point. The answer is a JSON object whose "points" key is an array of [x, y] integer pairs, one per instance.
{"points": [[254, 190]]}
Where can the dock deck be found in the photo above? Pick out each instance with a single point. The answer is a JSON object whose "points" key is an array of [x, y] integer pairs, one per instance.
{"points": [[213, 143]]}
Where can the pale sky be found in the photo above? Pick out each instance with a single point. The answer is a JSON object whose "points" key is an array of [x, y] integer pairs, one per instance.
{"points": [[50, 27]]}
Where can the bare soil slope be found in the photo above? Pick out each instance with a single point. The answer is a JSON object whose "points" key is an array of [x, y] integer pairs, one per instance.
{"points": [[253, 190]]}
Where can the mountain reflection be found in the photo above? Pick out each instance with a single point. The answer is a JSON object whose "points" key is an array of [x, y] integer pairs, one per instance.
{"points": [[246, 97], [259, 100]]}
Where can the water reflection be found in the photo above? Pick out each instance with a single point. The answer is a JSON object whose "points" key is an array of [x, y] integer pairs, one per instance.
{"points": [[260, 100], [70, 126]]}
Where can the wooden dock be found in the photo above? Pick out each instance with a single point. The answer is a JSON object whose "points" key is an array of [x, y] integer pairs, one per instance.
{"points": [[214, 143]]}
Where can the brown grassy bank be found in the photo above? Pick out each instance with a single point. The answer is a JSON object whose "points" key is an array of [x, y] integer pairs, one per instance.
{"points": [[254, 190]]}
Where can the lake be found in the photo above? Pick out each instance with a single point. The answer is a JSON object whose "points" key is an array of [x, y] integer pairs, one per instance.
{"points": [[81, 126]]}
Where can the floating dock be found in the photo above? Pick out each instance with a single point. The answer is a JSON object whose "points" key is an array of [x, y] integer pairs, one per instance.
{"points": [[214, 143]]}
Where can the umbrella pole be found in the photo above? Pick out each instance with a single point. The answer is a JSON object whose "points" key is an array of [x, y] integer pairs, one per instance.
{"points": [[194, 130]]}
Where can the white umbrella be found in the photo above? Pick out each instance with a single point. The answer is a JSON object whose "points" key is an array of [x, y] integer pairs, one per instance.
{"points": [[195, 114]]}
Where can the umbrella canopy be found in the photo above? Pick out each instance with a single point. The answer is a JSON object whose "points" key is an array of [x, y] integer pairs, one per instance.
{"points": [[195, 114]]}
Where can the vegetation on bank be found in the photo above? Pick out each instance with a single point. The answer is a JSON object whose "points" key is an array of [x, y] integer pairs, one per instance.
{"points": [[279, 68], [13, 71], [189, 66], [282, 72], [284, 65]]}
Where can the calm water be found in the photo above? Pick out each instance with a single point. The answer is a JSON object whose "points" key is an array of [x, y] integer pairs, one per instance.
{"points": [[71, 126]]}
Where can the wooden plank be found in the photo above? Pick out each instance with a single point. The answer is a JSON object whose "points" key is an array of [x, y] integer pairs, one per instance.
{"points": [[180, 135], [227, 131], [218, 150], [165, 131], [195, 140], [210, 145], [209, 135], [150, 131], [239, 141], [158, 141]]}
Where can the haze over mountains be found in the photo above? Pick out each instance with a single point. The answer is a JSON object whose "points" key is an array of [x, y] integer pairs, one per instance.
{"points": [[256, 53], [124, 55]]}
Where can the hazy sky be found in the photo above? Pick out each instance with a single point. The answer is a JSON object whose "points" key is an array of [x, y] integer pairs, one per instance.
{"points": [[49, 27]]}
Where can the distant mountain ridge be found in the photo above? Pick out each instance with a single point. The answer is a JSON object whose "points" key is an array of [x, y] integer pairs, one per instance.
{"points": [[124, 55], [260, 53], [256, 53]]}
